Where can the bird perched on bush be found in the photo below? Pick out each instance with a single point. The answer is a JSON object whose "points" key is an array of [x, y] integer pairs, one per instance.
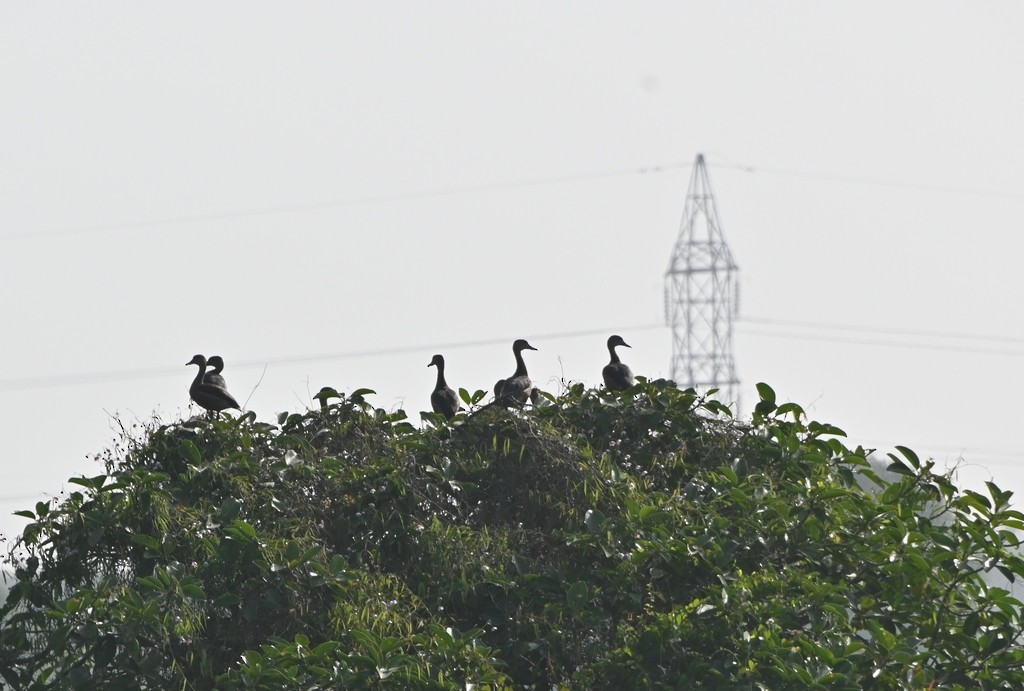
{"points": [[443, 399], [617, 375], [212, 398], [216, 362], [516, 389]]}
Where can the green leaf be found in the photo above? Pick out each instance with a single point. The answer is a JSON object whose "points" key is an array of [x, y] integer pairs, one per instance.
{"points": [[978, 501], [104, 652], [910, 456], [229, 510], [576, 596], [337, 565], [790, 408], [653, 515], [188, 452], [307, 555], [193, 591], [151, 582], [766, 393], [325, 649], [729, 474], [240, 530], [94, 483], [326, 394], [899, 468], [147, 541]]}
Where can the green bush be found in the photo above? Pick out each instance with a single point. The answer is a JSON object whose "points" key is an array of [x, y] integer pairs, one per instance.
{"points": [[640, 539]]}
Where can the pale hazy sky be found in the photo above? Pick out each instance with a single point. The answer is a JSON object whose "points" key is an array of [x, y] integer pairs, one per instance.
{"points": [[271, 182]]}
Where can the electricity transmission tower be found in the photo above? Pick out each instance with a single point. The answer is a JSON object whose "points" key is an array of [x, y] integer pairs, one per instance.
{"points": [[702, 296]]}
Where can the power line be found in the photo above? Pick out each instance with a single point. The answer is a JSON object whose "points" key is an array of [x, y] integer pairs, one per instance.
{"points": [[918, 333], [960, 335], [73, 379], [285, 209], [887, 344], [971, 454], [12, 498], [340, 203], [83, 378], [850, 179]]}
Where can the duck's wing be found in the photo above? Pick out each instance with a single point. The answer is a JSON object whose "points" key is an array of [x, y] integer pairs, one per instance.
{"points": [[212, 397], [617, 376], [445, 402]]}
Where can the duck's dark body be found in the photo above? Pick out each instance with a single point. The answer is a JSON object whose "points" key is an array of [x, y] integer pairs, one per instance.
{"points": [[443, 399], [617, 375], [214, 377], [516, 389], [212, 398]]}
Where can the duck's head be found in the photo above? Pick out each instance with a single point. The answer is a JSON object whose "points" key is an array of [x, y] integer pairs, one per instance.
{"points": [[216, 362], [437, 360], [197, 360], [520, 345], [612, 342]]}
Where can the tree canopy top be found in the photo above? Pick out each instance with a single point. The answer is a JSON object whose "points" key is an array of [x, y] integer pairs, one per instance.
{"points": [[601, 540]]}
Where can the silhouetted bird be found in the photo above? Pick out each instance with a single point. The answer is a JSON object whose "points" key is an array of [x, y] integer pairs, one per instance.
{"points": [[214, 377], [443, 400], [212, 398], [516, 389], [617, 375]]}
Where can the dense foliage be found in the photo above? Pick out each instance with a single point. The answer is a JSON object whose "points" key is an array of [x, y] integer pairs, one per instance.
{"points": [[603, 540]]}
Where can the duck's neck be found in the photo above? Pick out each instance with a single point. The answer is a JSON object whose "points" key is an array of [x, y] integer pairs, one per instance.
{"points": [[199, 377], [441, 383], [615, 358], [520, 364]]}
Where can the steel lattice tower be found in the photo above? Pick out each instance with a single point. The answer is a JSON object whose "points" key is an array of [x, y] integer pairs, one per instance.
{"points": [[702, 296]]}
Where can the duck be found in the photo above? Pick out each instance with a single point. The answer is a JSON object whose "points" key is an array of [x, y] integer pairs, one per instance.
{"points": [[443, 399], [617, 375], [516, 389], [214, 376], [212, 398]]}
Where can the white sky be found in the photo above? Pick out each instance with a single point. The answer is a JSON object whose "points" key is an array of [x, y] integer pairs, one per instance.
{"points": [[144, 146]]}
